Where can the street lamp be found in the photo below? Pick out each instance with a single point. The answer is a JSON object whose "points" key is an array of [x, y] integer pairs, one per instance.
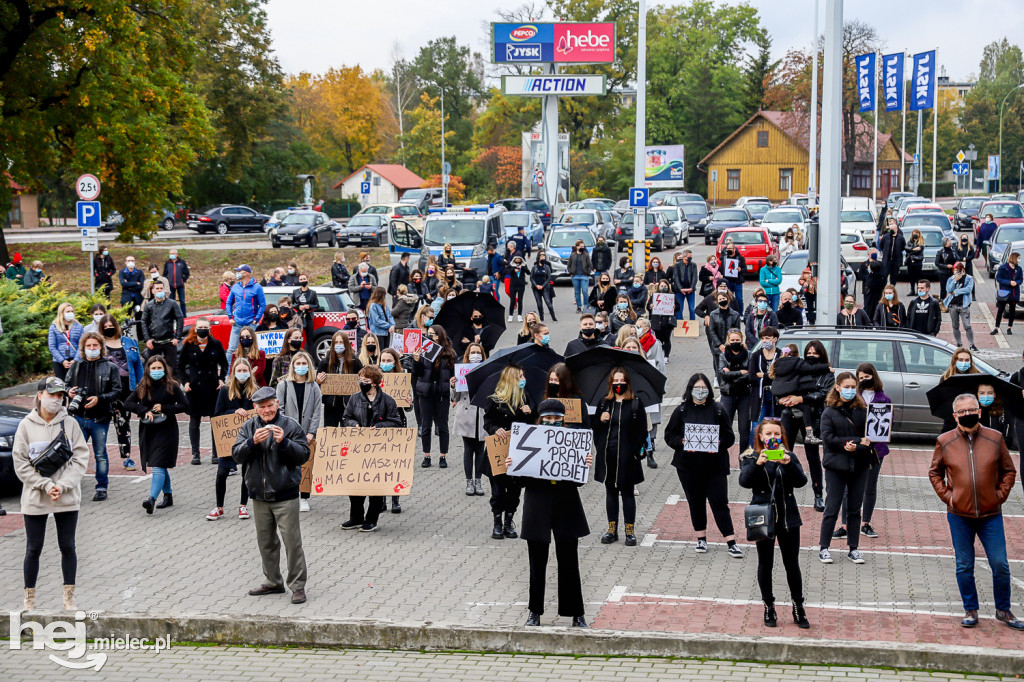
{"points": [[1015, 89]]}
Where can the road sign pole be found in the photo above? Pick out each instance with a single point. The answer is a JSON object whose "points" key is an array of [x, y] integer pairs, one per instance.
{"points": [[812, 168], [639, 155], [831, 164]]}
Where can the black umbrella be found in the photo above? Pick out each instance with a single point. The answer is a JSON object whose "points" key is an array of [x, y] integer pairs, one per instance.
{"points": [[941, 397], [534, 360], [590, 370], [455, 315]]}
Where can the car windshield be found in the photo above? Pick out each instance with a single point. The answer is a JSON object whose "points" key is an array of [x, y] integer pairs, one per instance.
{"points": [[364, 221], [536, 205], [794, 264], [278, 215], [971, 203], [931, 237], [931, 219], [731, 215], [694, 210], [679, 199], [516, 219], [457, 232], [414, 195], [784, 217], [855, 217], [1005, 210], [579, 217], [371, 210], [298, 219], [669, 213], [1008, 233], [757, 209], [562, 238], [745, 238]]}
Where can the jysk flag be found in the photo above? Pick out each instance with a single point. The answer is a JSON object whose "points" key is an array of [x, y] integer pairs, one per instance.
{"points": [[892, 74], [866, 81], [922, 81]]}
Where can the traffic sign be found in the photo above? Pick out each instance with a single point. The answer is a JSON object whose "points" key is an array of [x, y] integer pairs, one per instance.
{"points": [[960, 156], [638, 197], [90, 245], [539, 176], [88, 232], [88, 213], [917, 159], [959, 169], [714, 176], [446, 168], [87, 186], [445, 179], [364, 187]]}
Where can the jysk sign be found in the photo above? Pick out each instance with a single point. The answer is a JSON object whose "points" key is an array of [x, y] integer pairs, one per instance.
{"points": [[561, 43], [922, 81], [564, 85]]}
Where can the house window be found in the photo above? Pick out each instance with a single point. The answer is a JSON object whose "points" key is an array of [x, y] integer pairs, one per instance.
{"points": [[733, 183], [785, 179], [861, 178], [762, 138]]}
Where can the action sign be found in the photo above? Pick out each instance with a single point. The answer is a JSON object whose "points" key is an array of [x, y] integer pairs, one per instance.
{"points": [[879, 422], [357, 461], [270, 342], [552, 453], [571, 85], [664, 304]]}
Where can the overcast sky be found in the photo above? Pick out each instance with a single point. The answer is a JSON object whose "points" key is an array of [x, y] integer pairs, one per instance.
{"points": [[315, 35]]}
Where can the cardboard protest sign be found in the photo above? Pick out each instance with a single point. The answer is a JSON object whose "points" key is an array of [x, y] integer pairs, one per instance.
{"points": [[429, 350], [270, 342], [225, 431], [461, 370], [573, 410], [497, 451], [731, 267], [340, 384], [663, 304], [306, 484], [700, 438], [353, 335], [553, 453], [879, 422], [686, 329], [398, 385], [411, 340], [397, 342], [358, 461]]}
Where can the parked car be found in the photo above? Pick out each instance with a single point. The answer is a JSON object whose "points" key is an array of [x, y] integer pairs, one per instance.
{"points": [[276, 217], [528, 220], [1003, 197], [696, 214], [890, 201], [589, 217], [678, 198], [655, 224], [909, 364], [861, 221], [966, 211], [905, 203], [1003, 236], [538, 206], [755, 243], [591, 205], [677, 230], [424, 199], [757, 211], [226, 217], [621, 207], [721, 220], [304, 228], [778, 220], [612, 219], [743, 201], [852, 245], [368, 229], [933, 232], [410, 213], [928, 209], [1002, 212], [796, 262], [559, 243], [658, 198], [163, 218], [10, 417]]}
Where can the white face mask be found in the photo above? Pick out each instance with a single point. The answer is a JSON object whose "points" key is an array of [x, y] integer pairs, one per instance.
{"points": [[69, 316], [97, 317], [476, 357], [51, 405]]}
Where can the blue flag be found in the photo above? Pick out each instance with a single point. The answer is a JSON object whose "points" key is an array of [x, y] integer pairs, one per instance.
{"points": [[922, 81], [866, 81], [892, 73]]}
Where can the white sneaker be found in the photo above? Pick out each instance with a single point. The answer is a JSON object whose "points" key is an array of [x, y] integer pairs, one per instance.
{"points": [[303, 505], [825, 557], [509, 318], [520, 318], [855, 556]]}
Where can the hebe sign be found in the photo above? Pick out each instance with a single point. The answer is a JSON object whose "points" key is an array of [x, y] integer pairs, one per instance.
{"points": [[563, 43]]}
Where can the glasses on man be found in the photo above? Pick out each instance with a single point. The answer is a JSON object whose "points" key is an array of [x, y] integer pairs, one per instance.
{"points": [[964, 413]]}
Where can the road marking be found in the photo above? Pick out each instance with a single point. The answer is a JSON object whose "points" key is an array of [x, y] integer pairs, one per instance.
{"points": [[143, 478], [648, 540], [895, 550], [987, 314], [617, 593], [672, 499]]}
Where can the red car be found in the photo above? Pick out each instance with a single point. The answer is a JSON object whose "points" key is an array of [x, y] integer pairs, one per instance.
{"points": [[755, 243], [1002, 212]]}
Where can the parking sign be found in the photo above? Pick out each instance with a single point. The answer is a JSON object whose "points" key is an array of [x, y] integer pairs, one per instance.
{"points": [[638, 197], [364, 187], [88, 213]]}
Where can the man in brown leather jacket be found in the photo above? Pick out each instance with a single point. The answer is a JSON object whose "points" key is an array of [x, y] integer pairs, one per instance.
{"points": [[973, 474]]}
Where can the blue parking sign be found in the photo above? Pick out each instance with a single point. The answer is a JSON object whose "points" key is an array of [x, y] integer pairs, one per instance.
{"points": [[364, 187], [638, 197], [88, 213]]}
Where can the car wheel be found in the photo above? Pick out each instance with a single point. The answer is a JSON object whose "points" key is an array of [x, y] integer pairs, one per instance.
{"points": [[168, 223], [330, 241], [322, 346], [313, 240], [276, 245], [222, 228]]}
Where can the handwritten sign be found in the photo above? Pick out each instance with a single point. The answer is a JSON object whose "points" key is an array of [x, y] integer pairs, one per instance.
{"points": [[306, 483], [700, 438], [461, 370], [497, 451], [340, 384], [270, 342], [879, 422], [397, 342], [731, 267], [686, 329], [364, 461], [398, 385], [225, 431], [552, 453], [411, 339], [663, 304], [573, 410]]}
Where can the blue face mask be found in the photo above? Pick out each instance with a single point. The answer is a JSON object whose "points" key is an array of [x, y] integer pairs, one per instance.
{"points": [[622, 306], [848, 393], [339, 348], [302, 370], [923, 294], [986, 400], [387, 366], [637, 285], [522, 383], [888, 297], [92, 353], [174, 256], [962, 366], [157, 374], [762, 305], [546, 339], [241, 377], [427, 321]]}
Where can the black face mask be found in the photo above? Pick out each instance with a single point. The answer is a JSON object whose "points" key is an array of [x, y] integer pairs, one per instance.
{"points": [[295, 344], [203, 333], [349, 324], [866, 384], [285, 313], [968, 421], [304, 284], [587, 332], [787, 304], [372, 350], [619, 388], [109, 333], [552, 389], [478, 321], [723, 304], [735, 346], [272, 317], [365, 388], [813, 359], [246, 342]]}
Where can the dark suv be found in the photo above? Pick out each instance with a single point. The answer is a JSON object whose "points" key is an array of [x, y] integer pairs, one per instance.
{"points": [[538, 206], [227, 217], [966, 210]]}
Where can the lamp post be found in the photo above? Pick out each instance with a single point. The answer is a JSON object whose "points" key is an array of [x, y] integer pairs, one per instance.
{"points": [[1015, 89]]}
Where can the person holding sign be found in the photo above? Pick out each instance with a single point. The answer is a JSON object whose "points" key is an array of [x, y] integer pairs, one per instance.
{"points": [[554, 508], [234, 397], [299, 397], [508, 404], [620, 437], [733, 267], [249, 349], [469, 424], [771, 472], [392, 362], [291, 345], [340, 360], [700, 433], [272, 447], [432, 380], [371, 407], [662, 325], [204, 366]]}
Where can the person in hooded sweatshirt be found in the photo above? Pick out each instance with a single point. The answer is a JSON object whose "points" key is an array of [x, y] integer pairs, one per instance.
{"points": [[588, 338]]}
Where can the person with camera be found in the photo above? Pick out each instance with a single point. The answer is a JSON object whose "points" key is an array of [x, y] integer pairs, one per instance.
{"points": [[94, 384], [771, 472], [50, 458], [162, 325]]}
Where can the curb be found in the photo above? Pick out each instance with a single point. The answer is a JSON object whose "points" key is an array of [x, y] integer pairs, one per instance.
{"points": [[370, 634], [21, 389]]}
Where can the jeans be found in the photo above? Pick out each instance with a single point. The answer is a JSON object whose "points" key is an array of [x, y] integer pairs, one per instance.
{"points": [[773, 301], [543, 296], [958, 314], [161, 482], [686, 299], [97, 431], [35, 534], [236, 329], [737, 290], [179, 293], [989, 531], [580, 284]]}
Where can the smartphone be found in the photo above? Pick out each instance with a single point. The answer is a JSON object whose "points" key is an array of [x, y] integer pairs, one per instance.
{"points": [[774, 454]]}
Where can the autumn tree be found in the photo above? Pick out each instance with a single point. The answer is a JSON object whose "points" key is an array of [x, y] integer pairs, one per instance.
{"points": [[498, 171], [423, 140], [456, 187], [444, 66]]}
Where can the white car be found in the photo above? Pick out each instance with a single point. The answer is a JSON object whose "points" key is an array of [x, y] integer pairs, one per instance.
{"points": [[677, 221], [859, 220], [852, 245], [743, 201], [778, 220]]}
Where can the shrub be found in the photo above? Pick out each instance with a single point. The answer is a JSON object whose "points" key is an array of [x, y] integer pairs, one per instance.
{"points": [[943, 188]]}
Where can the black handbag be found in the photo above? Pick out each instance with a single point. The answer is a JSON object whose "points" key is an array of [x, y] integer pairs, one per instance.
{"points": [[760, 518], [56, 455]]}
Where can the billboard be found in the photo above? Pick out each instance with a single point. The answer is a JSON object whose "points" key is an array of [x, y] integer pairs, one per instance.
{"points": [[561, 43], [533, 160], [564, 85], [663, 166]]}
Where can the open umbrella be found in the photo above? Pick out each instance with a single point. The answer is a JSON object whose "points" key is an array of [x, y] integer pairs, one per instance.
{"points": [[941, 397], [534, 360], [590, 370], [455, 315]]}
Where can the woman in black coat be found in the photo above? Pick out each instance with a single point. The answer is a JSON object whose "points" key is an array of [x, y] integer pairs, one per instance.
{"points": [[432, 381], [704, 469], [340, 359], [204, 366], [623, 276], [734, 382], [540, 284], [508, 404], [554, 508], [158, 395], [516, 274], [620, 439], [602, 295], [847, 461], [235, 396], [761, 475], [802, 410]]}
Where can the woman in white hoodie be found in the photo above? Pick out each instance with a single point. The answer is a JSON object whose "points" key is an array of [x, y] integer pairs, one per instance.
{"points": [[59, 494]]}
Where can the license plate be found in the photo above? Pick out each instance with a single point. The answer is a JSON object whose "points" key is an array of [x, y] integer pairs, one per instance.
{"points": [[192, 225], [285, 238]]}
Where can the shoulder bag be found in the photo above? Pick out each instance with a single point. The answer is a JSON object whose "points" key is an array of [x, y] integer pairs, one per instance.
{"points": [[56, 455], [760, 518]]}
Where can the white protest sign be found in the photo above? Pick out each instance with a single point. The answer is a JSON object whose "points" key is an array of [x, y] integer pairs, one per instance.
{"points": [[270, 342], [700, 438], [552, 453], [879, 422], [731, 267], [461, 370], [664, 304]]}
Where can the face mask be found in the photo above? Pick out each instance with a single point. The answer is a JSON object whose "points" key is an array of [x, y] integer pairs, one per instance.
{"points": [[303, 284], [968, 421], [97, 317], [387, 366], [339, 348], [700, 394], [866, 384], [241, 377], [522, 383], [986, 400], [295, 344], [365, 388], [430, 272], [157, 374], [291, 271], [238, 275], [174, 256], [622, 305], [637, 285], [848, 393], [601, 326], [245, 342], [92, 353], [51, 405], [888, 297], [69, 317], [476, 357], [587, 332], [109, 333], [723, 292], [619, 388], [735, 346], [302, 370], [723, 304], [848, 306], [272, 317], [963, 366], [351, 324], [203, 333], [106, 253], [478, 320], [922, 293], [449, 297], [762, 305], [427, 321], [767, 345], [552, 388], [154, 275], [159, 295], [546, 339], [130, 265]]}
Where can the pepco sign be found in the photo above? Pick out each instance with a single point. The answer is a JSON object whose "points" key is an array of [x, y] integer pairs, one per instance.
{"points": [[564, 43]]}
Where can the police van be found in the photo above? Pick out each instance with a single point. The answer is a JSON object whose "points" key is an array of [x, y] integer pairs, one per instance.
{"points": [[469, 230]]}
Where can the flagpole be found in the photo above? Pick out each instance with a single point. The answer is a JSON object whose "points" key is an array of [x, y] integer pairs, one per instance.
{"points": [[935, 123], [874, 164], [903, 140]]}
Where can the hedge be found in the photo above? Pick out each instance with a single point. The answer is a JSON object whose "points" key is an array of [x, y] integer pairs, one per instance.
{"points": [[943, 188]]}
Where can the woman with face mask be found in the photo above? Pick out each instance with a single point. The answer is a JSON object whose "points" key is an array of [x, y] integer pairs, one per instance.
{"points": [[299, 397], [516, 275], [98, 381], [962, 362], [227, 280], [203, 367], [271, 321], [147, 286], [623, 275], [525, 334], [561, 386], [291, 344], [432, 381], [248, 348], [602, 295], [581, 269], [703, 463], [446, 259], [915, 258], [393, 362], [469, 425], [623, 314], [662, 325], [654, 272], [770, 277], [851, 315], [418, 286], [340, 359], [234, 397], [638, 294], [849, 457], [620, 440], [890, 313], [709, 275], [1008, 279], [509, 403], [62, 338], [734, 380], [722, 319], [965, 253], [540, 284], [123, 351]]}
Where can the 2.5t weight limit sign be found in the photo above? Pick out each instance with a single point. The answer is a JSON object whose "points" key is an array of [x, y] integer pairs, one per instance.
{"points": [[87, 187]]}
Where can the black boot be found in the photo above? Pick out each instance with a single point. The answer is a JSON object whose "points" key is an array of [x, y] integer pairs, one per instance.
{"points": [[612, 535], [396, 508], [510, 527], [578, 622], [168, 501], [498, 533], [196, 459], [819, 501], [213, 459], [630, 538], [533, 619], [149, 504], [800, 616], [3, 512], [770, 618], [651, 464]]}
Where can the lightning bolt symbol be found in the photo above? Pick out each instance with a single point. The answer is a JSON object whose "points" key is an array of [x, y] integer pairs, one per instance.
{"points": [[533, 452]]}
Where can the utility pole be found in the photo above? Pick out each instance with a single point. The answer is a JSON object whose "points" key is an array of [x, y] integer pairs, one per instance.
{"points": [[812, 140], [444, 184], [831, 162], [903, 139], [639, 155]]}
